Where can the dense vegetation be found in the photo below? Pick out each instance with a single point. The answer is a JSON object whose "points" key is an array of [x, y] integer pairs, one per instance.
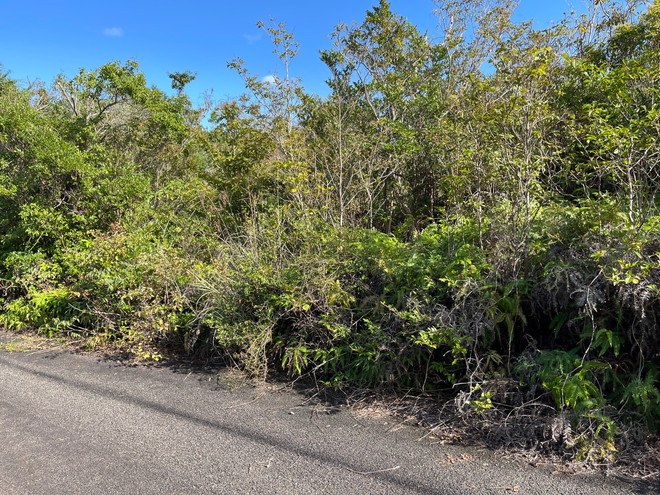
{"points": [[475, 214]]}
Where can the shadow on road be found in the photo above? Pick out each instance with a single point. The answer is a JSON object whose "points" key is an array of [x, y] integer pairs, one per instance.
{"points": [[236, 431]]}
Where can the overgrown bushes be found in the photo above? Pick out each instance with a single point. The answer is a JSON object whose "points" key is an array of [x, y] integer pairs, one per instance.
{"points": [[492, 236]]}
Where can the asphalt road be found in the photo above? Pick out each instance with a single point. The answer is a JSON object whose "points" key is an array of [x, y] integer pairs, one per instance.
{"points": [[77, 424]]}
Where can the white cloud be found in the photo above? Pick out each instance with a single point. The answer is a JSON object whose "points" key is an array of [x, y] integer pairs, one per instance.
{"points": [[252, 38], [269, 79], [114, 31]]}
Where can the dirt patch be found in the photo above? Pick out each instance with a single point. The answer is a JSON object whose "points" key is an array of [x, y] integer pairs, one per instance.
{"points": [[10, 342], [533, 433]]}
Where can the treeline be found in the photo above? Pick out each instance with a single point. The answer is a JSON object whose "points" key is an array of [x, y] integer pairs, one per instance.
{"points": [[474, 214]]}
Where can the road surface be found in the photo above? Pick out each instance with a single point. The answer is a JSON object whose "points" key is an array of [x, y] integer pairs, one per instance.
{"points": [[78, 424]]}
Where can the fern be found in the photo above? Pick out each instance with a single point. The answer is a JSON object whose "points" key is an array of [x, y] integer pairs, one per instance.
{"points": [[644, 394]]}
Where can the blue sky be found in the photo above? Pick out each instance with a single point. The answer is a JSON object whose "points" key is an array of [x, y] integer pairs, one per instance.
{"points": [[42, 38]]}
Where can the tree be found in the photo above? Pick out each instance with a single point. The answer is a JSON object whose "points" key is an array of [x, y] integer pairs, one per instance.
{"points": [[181, 79], [386, 86]]}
